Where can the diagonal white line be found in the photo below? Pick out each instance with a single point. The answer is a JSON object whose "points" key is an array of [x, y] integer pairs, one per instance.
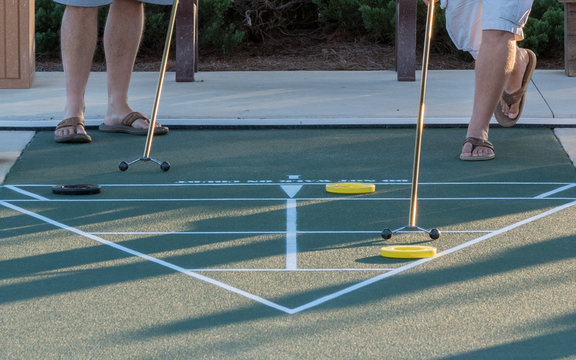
{"points": [[27, 193], [147, 257], [556, 191], [311, 304], [425, 260]]}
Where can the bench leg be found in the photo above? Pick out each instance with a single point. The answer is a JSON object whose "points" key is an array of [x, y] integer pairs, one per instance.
{"points": [[406, 39], [570, 38], [187, 40]]}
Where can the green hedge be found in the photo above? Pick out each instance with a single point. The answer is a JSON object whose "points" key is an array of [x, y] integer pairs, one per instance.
{"points": [[545, 28], [227, 24]]}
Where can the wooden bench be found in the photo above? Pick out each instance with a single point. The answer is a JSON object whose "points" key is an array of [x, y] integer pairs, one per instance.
{"points": [[569, 36], [187, 40]]}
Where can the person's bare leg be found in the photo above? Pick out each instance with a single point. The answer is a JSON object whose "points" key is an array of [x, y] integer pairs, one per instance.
{"points": [[122, 37], [79, 34], [494, 65]]}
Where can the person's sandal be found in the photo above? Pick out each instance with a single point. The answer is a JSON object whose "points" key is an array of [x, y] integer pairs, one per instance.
{"points": [[516, 97], [476, 142], [126, 127], [74, 138]]}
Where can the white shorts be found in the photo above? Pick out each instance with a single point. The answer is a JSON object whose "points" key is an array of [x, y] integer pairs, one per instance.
{"points": [[466, 19], [93, 3]]}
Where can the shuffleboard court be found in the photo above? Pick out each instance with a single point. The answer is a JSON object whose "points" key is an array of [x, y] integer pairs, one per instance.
{"points": [[240, 250]]}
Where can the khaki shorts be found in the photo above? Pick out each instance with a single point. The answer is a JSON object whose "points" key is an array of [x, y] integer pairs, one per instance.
{"points": [[466, 19], [93, 3]]}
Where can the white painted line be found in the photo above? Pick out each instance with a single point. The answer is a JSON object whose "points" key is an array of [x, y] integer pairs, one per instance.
{"points": [[556, 191], [147, 257], [291, 190], [425, 260], [289, 270], [319, 182], [270, 303], [447, 231], [507, 228], [291, 235], [298, 232], [189, 232], [324, 199], [26, 193]]}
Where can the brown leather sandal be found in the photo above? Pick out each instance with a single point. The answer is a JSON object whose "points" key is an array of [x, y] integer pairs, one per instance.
{"points": [[126, 127], [75, 138], [517, 97], [476, 142]]}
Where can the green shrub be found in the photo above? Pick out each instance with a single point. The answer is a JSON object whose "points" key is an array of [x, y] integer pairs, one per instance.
{"points": [[226, 24], [155, 27], [545, 28], [263, 20], [48, 18], [215, 30], [379, 19], [340, 15]]}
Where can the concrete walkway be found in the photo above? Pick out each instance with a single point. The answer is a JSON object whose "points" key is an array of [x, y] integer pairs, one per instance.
{"points": [[286, 99]]}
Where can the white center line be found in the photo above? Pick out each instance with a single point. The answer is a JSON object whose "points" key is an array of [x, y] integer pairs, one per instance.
{"points": [[291, 235]]}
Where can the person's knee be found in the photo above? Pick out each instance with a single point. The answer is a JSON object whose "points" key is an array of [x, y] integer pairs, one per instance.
{"points": [[81, 11], [133, 3], [493, 37]]}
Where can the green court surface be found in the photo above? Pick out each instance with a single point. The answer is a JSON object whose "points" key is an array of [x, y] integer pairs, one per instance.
{"points": [[239, 252]]}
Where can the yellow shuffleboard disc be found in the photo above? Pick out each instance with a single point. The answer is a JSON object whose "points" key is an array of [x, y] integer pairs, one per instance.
{"points": [[408, 252], [350, 188]]}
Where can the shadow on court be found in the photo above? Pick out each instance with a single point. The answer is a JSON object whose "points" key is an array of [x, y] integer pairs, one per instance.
{"points": [[238, 251]]}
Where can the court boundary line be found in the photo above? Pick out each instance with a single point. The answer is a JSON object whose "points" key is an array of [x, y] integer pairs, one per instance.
{"points": [[292, 270], [425, 260], [291, 253], [555, 191], [299, 199], [267, 302], [316, 182], [255, 232], [147, 257]]}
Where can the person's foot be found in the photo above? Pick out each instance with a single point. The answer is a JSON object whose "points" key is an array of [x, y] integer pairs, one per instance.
{"points": [[477, 149], [117, 118], [72, 127], [515, 83], [138, 122], [133, 123], [71, 130]]}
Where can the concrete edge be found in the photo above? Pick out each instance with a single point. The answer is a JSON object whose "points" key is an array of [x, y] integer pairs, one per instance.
{"points": [[301, 121], [567, 138], [12, 143]]}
